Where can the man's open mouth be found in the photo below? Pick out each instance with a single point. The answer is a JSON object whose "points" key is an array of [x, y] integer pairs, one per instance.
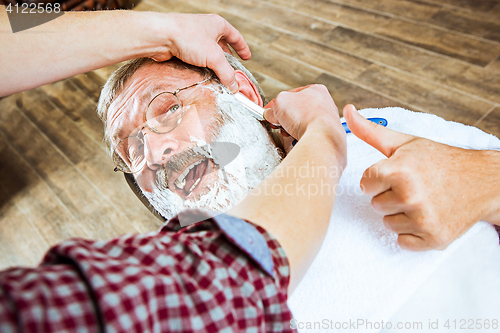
{"points": [[191, 177]]}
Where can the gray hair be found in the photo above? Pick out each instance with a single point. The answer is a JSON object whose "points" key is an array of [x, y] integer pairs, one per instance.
{"points": [[119, 78]]}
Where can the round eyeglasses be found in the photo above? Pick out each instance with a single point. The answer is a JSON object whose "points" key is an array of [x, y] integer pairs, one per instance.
{"points": [[163, 114]]}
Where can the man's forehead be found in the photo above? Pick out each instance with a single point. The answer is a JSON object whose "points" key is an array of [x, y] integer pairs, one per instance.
{"points": [[158, 77]]}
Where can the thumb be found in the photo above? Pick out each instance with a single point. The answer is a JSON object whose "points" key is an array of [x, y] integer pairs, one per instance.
{"points": [[379, 137]]}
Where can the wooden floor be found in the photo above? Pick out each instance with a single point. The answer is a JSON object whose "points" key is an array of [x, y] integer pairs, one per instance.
{"points": [[441, 57]]}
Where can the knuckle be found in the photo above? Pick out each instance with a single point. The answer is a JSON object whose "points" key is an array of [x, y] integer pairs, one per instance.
{"points": [[439, 242], [388, 222], [378, 206]]}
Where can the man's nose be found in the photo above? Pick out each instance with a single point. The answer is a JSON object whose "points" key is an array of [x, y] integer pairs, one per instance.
{"points": [[158, 148]]}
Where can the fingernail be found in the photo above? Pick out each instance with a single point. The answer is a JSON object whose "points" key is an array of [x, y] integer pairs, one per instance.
{"points": [[264, 114], [234, 87]]}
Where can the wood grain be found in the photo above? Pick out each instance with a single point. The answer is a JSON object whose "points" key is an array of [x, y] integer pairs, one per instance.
{"points": [[378, 49], [481, 82], [410, 9], [473, 5], [424, 95], [491, 123], [484, 26], [457, 46]]}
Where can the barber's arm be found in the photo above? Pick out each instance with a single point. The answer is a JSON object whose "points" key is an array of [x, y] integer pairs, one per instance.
{"points": [[429, 193], [295, 202], [78, 42]]}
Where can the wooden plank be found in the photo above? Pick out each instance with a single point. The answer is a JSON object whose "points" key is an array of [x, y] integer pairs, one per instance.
{"points": [[473, 5], [338, 13], [346, 93], [457, 46], [484, 26], [277, 16], [424, 36], [33, 197], [467, 22], [410, 9], [378, 49], [495, 11], [283, 69], [491, 123], [424, 95], [480, 82], [495, 66], [19, 243], [320, 56], [86, 204], [90, 84]]}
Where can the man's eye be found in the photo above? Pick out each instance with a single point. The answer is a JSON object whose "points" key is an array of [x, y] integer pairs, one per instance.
{"points": [[174, 108]]}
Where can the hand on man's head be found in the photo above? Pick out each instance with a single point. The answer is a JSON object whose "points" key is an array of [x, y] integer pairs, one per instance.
{"points": [[429, 193], [201, 40]]}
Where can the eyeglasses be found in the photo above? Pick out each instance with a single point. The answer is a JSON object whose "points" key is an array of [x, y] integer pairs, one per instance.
{"points": [[163, 114]]}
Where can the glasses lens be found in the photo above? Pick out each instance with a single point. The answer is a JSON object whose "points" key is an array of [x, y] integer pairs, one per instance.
{"points": [[129, 155], [164, 113]]}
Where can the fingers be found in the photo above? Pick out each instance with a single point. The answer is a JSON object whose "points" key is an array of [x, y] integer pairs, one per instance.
{"points": [[224, 71], [387, 203], [408, 237], [399, 223], [412, 243], [376, 179], [270, 116], [381, 138], [297, 109], [233, 37], [223, 45]]}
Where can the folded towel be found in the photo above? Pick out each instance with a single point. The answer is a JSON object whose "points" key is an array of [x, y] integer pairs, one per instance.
{"points": [[360, 271]]}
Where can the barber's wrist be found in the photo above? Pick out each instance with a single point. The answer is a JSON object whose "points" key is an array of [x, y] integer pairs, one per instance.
{"points": [[150, 34], [331, 132]]}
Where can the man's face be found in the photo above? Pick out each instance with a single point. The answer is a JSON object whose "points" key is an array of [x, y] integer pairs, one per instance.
{"points": [[180, 168]]}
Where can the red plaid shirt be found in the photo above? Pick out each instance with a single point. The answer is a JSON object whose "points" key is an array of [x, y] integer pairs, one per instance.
{"points": [[212, 276]]}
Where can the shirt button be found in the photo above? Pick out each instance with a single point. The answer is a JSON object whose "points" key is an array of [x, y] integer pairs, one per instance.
{"points": [[250, 240]]}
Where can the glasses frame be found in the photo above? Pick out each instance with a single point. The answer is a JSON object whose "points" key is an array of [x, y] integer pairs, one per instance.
{"points": [[154, 130]]}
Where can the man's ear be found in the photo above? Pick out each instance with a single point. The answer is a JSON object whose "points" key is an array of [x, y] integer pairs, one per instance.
{"points": [[247, 88]]}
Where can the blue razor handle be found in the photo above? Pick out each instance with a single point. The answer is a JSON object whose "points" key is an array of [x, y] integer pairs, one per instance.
{"points": [[380, 121]]}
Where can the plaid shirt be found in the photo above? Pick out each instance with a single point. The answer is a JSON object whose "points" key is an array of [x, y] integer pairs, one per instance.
{"points": [[217, 275]]}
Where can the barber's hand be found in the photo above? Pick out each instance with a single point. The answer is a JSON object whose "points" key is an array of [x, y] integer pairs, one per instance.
{"points": [[429, 193], [301, 108], [200, 40]]}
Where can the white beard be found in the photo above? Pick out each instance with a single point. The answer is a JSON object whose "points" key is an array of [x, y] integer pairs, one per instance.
{"points": [[257, 159]]}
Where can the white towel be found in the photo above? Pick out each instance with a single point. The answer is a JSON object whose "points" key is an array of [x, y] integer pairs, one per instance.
{"points": [[360, 271]]}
